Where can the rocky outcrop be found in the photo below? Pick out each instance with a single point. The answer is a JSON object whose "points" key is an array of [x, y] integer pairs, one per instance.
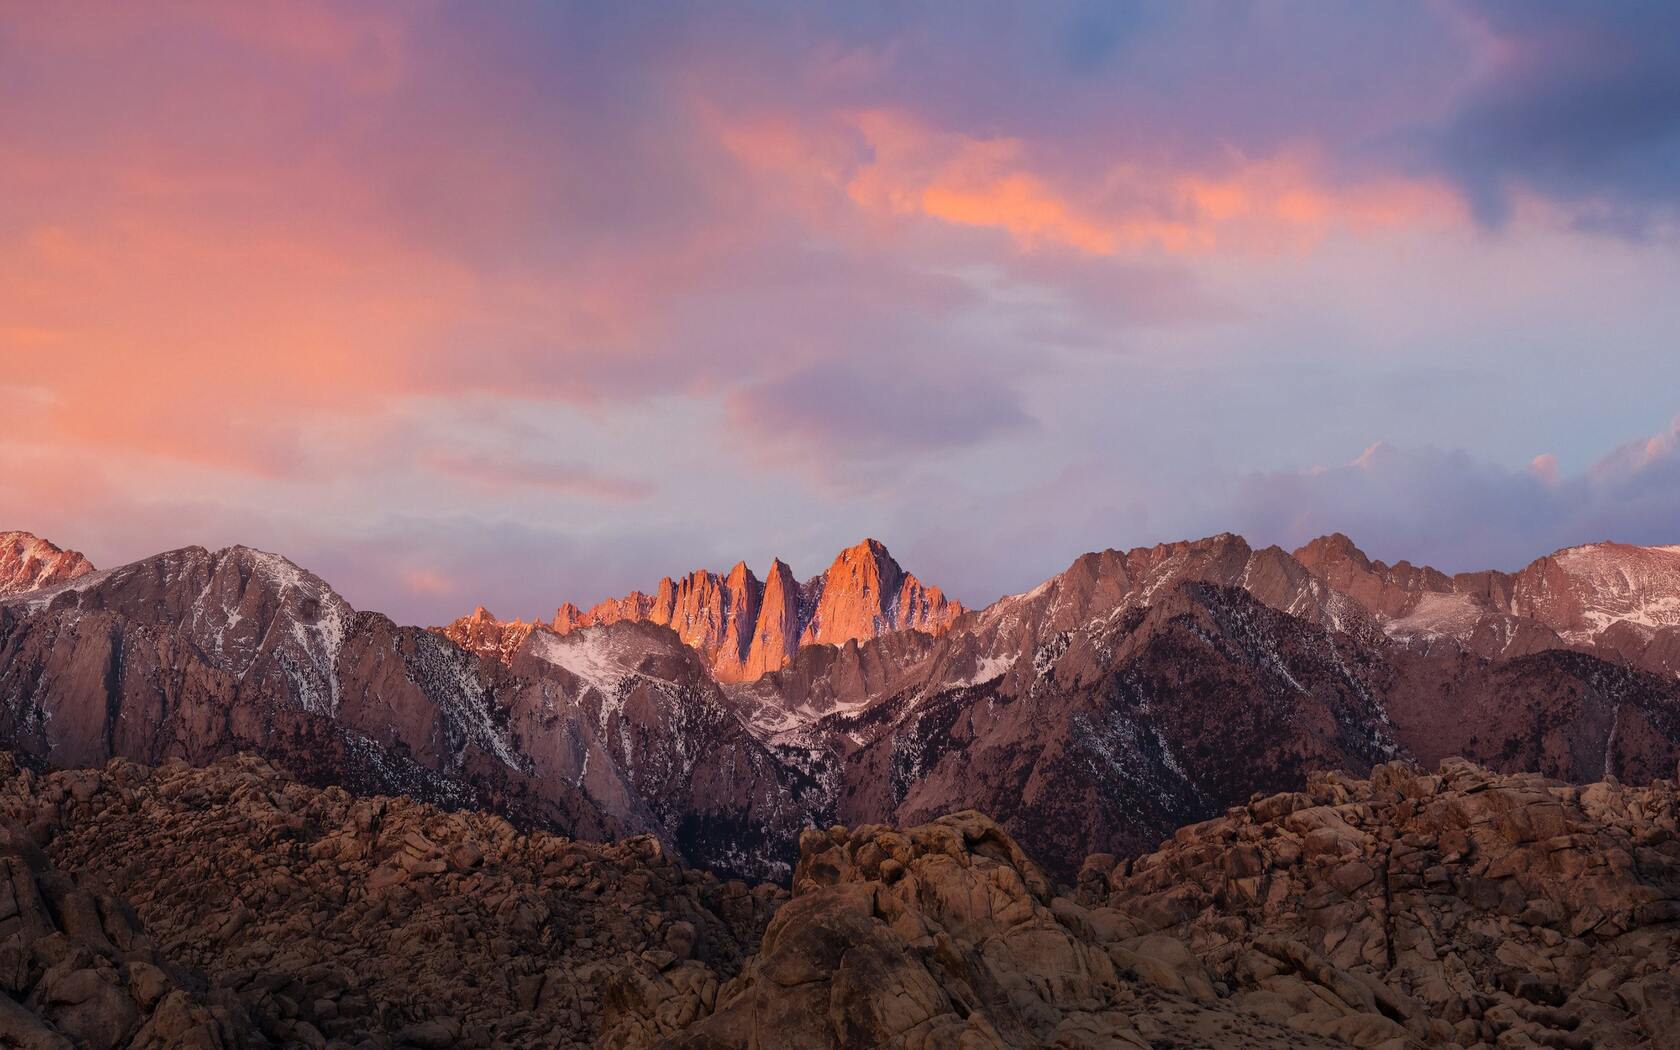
{"points": [[746, 628], [776, 635], [79, 971], [942, 935], [28, 563], [1454, 909], [865, 594], [483, 634], [1459, 908]]}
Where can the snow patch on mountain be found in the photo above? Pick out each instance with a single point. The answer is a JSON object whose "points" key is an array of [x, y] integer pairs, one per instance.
{"points": [[1615, 583], [986, 670], [316, 621], [588, 654], [1438, 616]]}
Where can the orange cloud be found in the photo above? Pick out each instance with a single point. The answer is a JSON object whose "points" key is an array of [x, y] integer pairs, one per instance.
{"points": [[194, 342], [1025, 207], [426, 581], [891, 166]]}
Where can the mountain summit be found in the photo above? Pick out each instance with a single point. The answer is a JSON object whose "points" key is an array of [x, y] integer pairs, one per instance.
{"points": [[28, 563], [746, 627]]}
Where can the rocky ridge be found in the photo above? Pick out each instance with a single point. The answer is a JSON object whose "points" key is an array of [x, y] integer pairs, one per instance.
{"points": [[1613, 599], [197, 654], [28, 563], [747, 627], [1141, 690]]}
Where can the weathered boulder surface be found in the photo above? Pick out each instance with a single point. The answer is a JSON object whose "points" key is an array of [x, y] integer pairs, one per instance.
{"points": [[79, 971], [947, 935], [1459, 907]]}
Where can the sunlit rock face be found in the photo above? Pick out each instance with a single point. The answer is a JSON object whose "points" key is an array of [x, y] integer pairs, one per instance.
{"points": [[746, 627], [28, 563]]}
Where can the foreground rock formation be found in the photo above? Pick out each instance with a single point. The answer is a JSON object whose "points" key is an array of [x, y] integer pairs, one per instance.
{"points": [[327, 920], [78, 970], [1460, 908], [1457, 908]]}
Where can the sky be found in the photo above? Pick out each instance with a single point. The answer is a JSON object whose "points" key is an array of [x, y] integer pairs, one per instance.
{"points": [[516, 304]]}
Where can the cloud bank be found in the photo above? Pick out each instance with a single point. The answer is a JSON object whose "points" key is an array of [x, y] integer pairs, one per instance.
{"points": [[759, 279]]}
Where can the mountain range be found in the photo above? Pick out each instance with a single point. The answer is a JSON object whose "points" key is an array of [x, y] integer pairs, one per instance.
{"points": [[1130, 694]]}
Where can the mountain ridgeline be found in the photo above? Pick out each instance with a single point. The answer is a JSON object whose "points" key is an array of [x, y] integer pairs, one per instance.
{"points": [[746, 627], [1133, 693]]}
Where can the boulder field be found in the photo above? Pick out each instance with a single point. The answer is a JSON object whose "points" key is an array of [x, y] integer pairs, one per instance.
{"points": [[232, 905]]}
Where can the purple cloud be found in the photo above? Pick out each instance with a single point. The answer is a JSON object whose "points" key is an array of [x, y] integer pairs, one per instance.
{"points": [[872, 410], [1458, 513]]}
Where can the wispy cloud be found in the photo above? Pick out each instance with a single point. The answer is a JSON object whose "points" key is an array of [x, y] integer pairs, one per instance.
{"points": [[515, 470], [1448, 507]]}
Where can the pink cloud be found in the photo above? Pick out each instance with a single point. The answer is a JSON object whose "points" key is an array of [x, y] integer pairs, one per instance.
{"points": [[889, 164], [516, 471], [422, 581], [1464, 513]]}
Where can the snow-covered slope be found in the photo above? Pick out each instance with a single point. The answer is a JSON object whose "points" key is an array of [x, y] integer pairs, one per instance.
{"points": [[1582, 591], [1615, 599]]}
